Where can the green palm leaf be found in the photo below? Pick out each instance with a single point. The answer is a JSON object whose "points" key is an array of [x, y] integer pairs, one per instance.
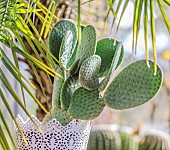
{"points": [[167, 2], [146, 30], [3, 140], [116, 13], [152, 24], [11, 114], [167, 22], [15, 17], [7, 128], [122, 13]]}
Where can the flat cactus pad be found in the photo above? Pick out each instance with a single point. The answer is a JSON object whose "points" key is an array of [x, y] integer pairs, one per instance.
{"points": [[116, 59], [69, 86], [61, 115], [66, 49], [87, 44], [57, 34], [73, 58], [106, 50], [58, 83], [134, 86], [88, 72], [85, 104]]}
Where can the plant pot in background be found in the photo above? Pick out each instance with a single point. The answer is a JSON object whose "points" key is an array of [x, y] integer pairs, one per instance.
{"points": [[74, 136]]}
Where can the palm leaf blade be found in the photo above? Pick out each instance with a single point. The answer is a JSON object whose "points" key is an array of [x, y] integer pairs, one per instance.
{"points": [[122, 13], [136, 10], [7, 128], [152, 24], [146, 30], [167, 22], [3, 140], [13, 93], [11, 114]]}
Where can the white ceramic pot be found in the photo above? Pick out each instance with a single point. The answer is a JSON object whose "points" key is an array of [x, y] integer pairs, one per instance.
{"points": [[74, 136]]}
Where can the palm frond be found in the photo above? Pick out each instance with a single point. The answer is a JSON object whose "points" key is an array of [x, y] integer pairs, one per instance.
{"points": [[145, 19], [7, 129], [110, 4], [139, 5], [16, 21], [122, 13], [138, 23], [3, 140], [152, 26], [167, 2], [4, 5], [106, 19], [7, 61], [116, 13], [8, 86], [19, 75], [88, 1], [7, 105], [167, 22], [135, 18], [15, 18]]}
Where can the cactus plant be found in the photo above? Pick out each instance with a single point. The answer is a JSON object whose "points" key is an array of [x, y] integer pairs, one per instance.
{"points": [[112, 137], [155, 140], [78, 93], [104, 140], [117, 137]]}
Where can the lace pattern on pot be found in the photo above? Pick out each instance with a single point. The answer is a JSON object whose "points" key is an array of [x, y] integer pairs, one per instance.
{"points": [[74, 136]]}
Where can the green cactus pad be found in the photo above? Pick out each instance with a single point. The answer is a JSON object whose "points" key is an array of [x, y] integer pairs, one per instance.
{"points": [[85, 105], [106, 50], [88, 72], [66, 48], [116, 59], [58, 83], [134, 86], [61, 115], [70, 85], [57, 34], [73, 58], [87, 45]]}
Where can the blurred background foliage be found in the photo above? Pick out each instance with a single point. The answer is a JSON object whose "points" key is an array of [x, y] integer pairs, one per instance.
{"points": [[28, 32]]}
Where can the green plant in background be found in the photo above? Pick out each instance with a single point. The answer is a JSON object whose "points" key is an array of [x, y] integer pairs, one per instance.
{"points": [[105, 139], [122, 138], [77, 95], [155, 140]]}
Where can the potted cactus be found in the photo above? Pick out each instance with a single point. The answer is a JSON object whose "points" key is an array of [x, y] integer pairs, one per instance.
{"points": [[76, 97]]}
